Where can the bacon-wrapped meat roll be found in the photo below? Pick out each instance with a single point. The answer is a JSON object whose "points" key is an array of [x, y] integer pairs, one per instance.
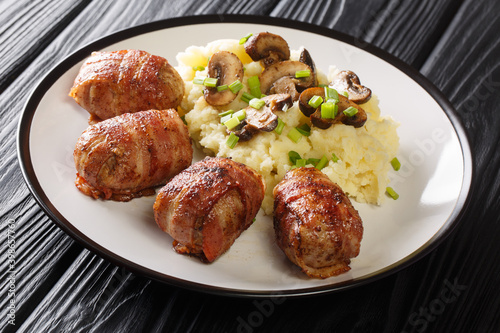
{"points": [[315, 223], [208, 205], [128, 155], [112, 83]]}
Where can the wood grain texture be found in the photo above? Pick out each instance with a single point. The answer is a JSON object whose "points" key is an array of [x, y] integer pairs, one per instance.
{"points": [[64, 288]]}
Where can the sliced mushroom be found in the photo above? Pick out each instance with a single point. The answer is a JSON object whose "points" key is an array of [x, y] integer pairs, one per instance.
{"points": [[285, 85], [268, 48], [269, 77], [226, 67], [356, 120], [265, 118], [306, 58], [349, 81]]}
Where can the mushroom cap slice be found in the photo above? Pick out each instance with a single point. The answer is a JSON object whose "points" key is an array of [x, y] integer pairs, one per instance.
{"points": [[226, 67], [263, 119], [268, 48], [286, 68], [356, 120], [349, 81]]}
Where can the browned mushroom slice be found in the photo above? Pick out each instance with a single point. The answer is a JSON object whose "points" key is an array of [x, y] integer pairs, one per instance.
{"points": [[263, 119], [268, 48], [226, 67], [306, 58], [356, 120], [270, 76], [349, 81]]}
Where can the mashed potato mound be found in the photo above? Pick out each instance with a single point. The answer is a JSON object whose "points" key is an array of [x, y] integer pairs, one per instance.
{"points": [[364, 153]]}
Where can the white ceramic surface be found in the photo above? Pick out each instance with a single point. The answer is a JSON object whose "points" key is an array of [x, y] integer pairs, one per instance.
{"points": [[430, 183]]}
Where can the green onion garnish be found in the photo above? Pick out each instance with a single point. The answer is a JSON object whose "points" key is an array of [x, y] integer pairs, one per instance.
{"points": [[223, 87], [304, 129], [294, 135], [329, 110], [225, 113], [254, 85], [183, 118], [323, 162], [302, 73], [198, 68], [313, 161], [240, 115], [315, 101], [244, 39], [279, 128], [256, 103], [246, 97], [396, 165], [301, 162], [392, 193], [293, 156], [232, 123], [331, 93], [350, 111], [236, 86], [346, 94], [232, 140], [225, 118], [334, 158], [210, 82], [198, 80]]}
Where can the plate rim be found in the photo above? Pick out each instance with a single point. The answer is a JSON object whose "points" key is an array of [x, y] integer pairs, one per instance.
{"points": [[53, 74]]}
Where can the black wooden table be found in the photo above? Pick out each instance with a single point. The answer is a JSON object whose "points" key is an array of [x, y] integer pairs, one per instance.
{"points": [[59, 286]]}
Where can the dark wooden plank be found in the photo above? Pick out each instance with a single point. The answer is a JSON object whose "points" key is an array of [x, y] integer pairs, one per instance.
{"points": [[22, 40]]}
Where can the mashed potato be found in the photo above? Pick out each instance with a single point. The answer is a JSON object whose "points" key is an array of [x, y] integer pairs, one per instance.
{"points": [[364, 154]]}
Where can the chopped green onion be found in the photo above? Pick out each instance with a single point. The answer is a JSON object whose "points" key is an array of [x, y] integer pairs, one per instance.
{"points": [[346, 94], [322, 163], [247, 97], [244, 39], [313, 161], [315, 101], [223, 87], [254, 85], [322, 85], [225, 118], [236, 86], [392, 193], [293, 156], [329, 110], [210, 82], [198, 68], [294, 135], [279, 127], [396, 165], [304, 129], [331, 93], [240, 115], [350, 111], [232, 123], [225, 113], [232, 140], [183, 118], [334, 158], [302, 73], [198, 80], [301, 162], [256, 103]]}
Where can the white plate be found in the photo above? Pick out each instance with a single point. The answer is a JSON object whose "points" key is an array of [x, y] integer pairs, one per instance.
{"points": [[433, 183]]}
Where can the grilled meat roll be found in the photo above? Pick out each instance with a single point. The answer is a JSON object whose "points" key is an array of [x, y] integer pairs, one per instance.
{"points": [[128, 155], [315, 223], [112, 83], [208, 205]]}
